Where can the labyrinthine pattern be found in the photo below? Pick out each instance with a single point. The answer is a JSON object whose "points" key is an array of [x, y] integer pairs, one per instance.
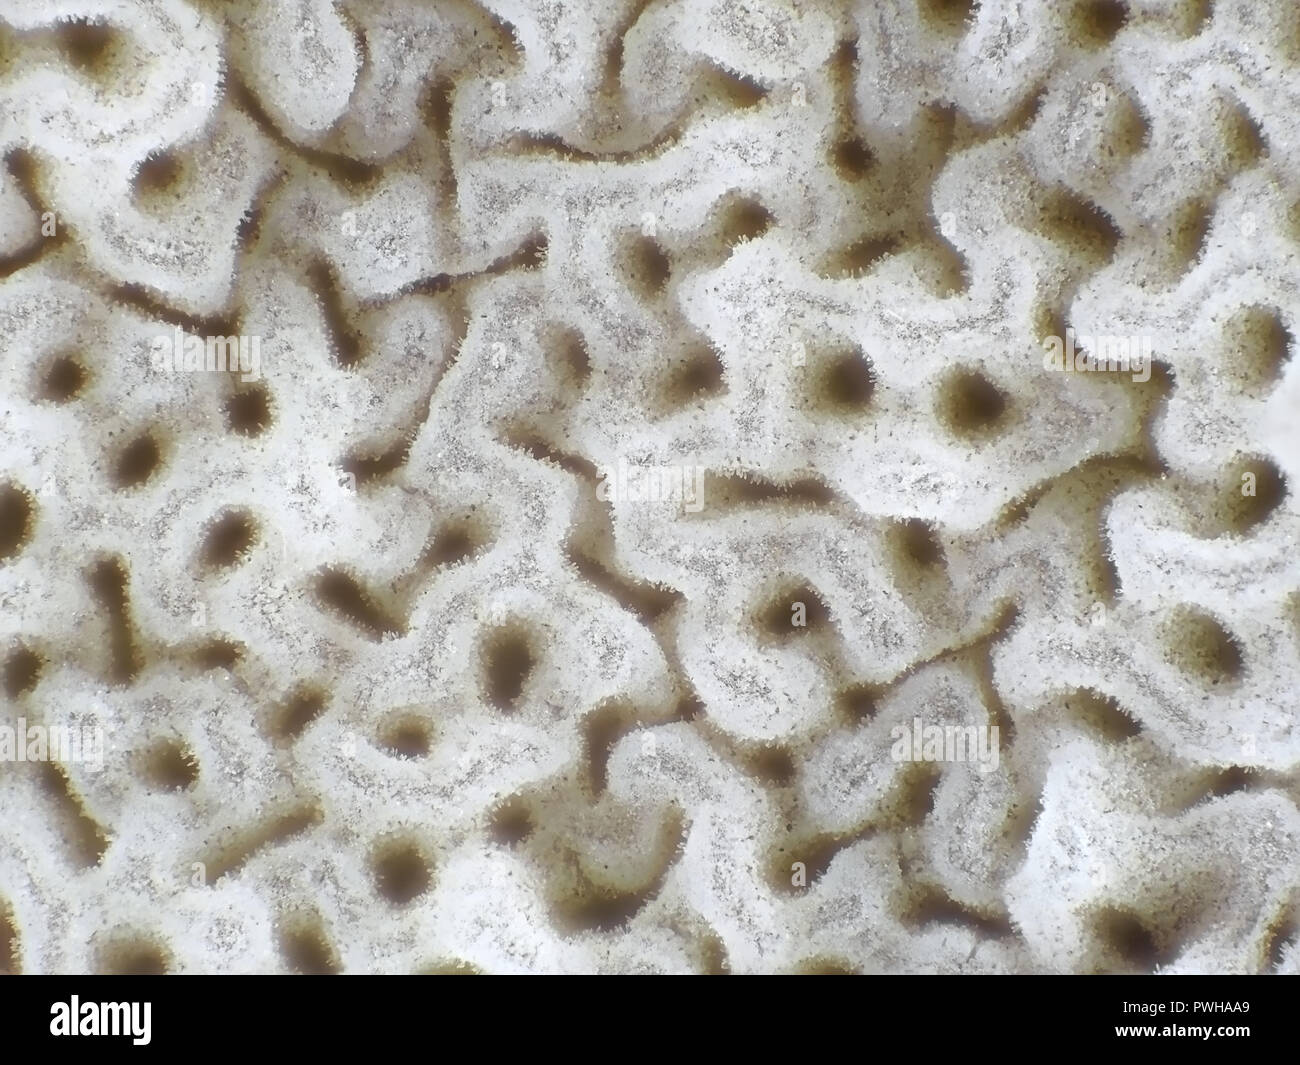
{"points": [[395, 666]]}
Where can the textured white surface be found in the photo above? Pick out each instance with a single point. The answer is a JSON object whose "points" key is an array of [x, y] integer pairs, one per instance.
{"points": [[498, 246]]}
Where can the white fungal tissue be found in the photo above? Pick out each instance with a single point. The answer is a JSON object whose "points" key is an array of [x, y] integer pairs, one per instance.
{"points": [[627, 486]]}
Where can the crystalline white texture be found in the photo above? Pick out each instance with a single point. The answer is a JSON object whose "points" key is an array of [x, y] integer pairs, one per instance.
{"points": [[394, 672]]}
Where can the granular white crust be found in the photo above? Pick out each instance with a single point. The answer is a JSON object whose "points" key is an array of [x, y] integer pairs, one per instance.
{"points": [[388, 683]]}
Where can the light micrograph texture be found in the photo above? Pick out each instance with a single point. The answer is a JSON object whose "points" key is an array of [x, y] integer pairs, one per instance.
{"points": [[519, 485]]}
